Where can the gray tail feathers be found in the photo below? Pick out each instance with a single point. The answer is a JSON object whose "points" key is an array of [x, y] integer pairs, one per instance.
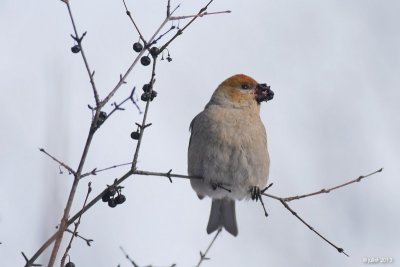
{"points": [[223, 215]]}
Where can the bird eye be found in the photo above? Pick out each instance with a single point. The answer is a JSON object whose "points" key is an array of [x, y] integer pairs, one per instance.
{"points": [[245, 86]]}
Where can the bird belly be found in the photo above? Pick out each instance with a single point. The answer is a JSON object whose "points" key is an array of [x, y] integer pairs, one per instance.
{"points": [[230, 155]]}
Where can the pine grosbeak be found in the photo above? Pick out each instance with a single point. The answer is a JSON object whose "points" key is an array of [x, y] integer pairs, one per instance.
{"points": [[228, 148]]}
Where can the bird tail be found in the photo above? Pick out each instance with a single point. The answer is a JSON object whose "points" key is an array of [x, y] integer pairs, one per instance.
{"points": [[223, 215]]}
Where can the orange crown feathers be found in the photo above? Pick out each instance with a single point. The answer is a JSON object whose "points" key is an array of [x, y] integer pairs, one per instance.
{"points": [[237, 80]]}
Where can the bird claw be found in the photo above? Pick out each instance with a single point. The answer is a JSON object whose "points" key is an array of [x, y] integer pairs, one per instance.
{"points": [[255, 193], [215, 186]]}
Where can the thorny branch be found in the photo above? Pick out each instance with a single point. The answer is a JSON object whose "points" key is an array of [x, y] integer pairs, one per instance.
{"points": [[68, 168], [287, 199], [99, 104], [97, 120], [146, 110], [128, 258], [200, 15], [87, 240], [75, 232], [95, 171], [180, 31], [79, 41], [134, 264], [134, 24], [282, 200], [203, 256], [73, 219]]}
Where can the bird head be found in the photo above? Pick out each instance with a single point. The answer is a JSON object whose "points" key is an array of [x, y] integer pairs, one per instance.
{"points": [[241, 91]]}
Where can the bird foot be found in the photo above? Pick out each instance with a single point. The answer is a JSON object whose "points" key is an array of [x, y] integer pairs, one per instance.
{"points": [[215, 186], [255, 193]]}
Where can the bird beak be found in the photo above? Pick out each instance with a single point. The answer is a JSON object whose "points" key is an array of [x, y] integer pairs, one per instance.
{"points": [[263, 93]]}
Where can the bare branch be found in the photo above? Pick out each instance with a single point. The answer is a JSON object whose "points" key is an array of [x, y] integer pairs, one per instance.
{"points": [[128, 258], [203, 256], [134, 24], [340, 250], [202, 10], [146, 110], [73, 219], [200, 15], [87, 240], [75, 232], [90, 73], [68, 168], [95, 171], [287, 199], [26, 259], [168, 8], [165, 174]]}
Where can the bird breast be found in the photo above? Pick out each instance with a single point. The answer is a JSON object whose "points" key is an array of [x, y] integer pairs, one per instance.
{"points": [[229, 147]]}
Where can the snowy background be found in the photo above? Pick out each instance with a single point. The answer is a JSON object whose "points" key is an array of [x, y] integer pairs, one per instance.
{"points": [[334, 67]]}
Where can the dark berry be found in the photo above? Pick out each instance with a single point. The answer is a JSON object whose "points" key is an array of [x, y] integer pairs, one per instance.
{"points": [[112, 203], [102, 115], [70, 264], [146, 87], [153, 95], [154, 51], [169, 59], [120, 199], [137, 47], [76, 49], [135, 135], [105, 197], [145, 97], [145, 60], [111, 190]]}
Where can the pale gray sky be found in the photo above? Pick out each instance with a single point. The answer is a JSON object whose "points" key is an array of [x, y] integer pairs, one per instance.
{"points": [[333, 65]]}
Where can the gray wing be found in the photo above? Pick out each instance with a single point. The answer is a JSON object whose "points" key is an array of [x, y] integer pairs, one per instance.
{"points": [[191, 130]]}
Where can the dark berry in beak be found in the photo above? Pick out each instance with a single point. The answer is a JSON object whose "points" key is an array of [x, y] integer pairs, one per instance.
{"points": [[263, 93]]}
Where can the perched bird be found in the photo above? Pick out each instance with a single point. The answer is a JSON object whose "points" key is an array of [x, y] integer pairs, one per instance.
{"points": [[228, 149]]}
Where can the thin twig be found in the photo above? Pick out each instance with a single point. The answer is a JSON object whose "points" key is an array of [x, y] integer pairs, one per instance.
{"points": [[134, 263], [200, 15], [75, 232], [287, 199], [72, 220], [68, 168], [203, 256], [87, 240], [26, 259], [134, 24], [340, 250], [282, 200], [168, 8], [67, 209], [92, 130], [146, 110], [128, 71], [180, 31], [95, 171], [91, 74], [64, 222], [165, 174], [128, 258]]}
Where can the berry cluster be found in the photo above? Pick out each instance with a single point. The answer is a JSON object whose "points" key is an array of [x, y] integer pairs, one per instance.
{"points": [[148, 94], [145, 60], [113, 196], [154, 52]]}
